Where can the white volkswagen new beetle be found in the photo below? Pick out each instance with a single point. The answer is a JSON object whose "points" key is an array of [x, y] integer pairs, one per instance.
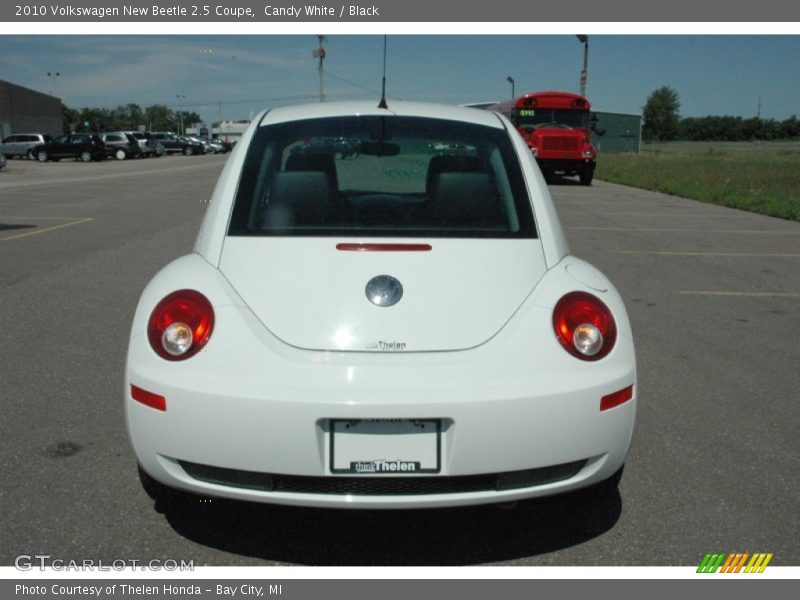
{"points": [[397, 325]]}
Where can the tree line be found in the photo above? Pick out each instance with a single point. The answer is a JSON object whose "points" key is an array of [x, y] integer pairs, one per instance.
{"points": [[128, 117], [661, 122]]}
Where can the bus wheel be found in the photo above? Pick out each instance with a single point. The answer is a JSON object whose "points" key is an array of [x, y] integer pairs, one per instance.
{"points": [[586, 177]]}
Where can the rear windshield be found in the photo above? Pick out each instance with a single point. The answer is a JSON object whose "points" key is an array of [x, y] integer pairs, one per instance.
{"points": [[382, 176]]}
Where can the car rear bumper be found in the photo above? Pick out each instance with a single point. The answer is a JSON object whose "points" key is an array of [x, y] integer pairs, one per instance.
{"points": [[255, 425]]}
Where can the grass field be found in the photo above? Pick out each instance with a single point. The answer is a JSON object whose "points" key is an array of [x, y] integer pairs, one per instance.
{"points": [[762, 177]]}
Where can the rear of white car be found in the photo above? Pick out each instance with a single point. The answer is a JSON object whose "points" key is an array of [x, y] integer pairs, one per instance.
{"points": [[400, 326]]}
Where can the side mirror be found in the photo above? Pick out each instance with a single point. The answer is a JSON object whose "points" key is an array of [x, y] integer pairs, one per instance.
{"points": [[593, 117]]}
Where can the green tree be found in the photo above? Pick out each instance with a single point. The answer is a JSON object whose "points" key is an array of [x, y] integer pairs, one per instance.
{"points": [[127, 117], [661, 115], [71, 118], [159, 117]]}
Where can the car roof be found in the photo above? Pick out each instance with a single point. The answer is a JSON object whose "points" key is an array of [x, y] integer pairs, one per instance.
{"points": [[404, 109]]}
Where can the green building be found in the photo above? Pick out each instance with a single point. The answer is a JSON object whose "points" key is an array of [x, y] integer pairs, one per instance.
{"points": [[621, 132]]}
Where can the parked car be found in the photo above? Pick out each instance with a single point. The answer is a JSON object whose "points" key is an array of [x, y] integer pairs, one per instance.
{"points": [[19, 145], [228, 146], [155, 148], [338, 146], [147, 147], [2, 161], [121, 145], [404, 328], [207, 148], [83, 146], [176, 144]]}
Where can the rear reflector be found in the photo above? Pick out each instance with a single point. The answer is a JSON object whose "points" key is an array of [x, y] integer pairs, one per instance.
{"points": [[384, 247], [617, 398], [148, 398]]}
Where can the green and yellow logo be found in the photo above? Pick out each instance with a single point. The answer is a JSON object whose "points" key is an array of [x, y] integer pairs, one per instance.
{"points": [[734, 562]]}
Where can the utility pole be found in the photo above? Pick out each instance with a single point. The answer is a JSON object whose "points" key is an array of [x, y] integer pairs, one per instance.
{"points": [[319, 53], [584, 39], [180, 112]]}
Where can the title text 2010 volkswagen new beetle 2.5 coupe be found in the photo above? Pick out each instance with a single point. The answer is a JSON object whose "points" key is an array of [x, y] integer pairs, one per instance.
{"points": [[398, 327]]}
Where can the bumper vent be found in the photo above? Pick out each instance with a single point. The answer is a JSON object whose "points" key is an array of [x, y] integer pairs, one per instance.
{"points": [[381, 486]]}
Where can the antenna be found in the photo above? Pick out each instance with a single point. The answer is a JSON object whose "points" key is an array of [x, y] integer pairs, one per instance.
{"points": [[320, 54], [382, 103]]}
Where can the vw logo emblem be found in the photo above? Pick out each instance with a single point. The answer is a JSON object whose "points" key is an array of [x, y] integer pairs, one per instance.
{"points": [[384, 290]]}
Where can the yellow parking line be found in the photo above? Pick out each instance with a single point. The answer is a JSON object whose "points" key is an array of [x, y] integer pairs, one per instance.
{"points": [[46, 229], [18, 218], [106, 176], [659, 215], [682, 230], [728, 254], [742, 294]]}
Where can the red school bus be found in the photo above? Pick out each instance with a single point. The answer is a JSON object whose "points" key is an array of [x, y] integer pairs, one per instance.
{"points": [[557, 127]]}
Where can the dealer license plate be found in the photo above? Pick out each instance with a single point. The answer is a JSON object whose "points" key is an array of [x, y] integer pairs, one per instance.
{"points": [[385, 446]]}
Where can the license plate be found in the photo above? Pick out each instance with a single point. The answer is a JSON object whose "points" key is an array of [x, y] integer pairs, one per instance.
{"points": [[385, 446]]}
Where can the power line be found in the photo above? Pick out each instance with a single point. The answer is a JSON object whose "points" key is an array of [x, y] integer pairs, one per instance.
{"points": [[358, 85]]}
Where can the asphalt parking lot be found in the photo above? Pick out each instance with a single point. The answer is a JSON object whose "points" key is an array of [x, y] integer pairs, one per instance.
{"points": [[713, 295]]}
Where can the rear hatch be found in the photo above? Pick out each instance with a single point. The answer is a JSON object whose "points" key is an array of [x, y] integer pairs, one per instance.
{"points": [[310, 295]]}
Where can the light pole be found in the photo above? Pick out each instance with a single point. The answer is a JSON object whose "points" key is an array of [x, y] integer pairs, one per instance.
{"points": [[584, 39], [320, 54], [179, 97], [54, 77], [510, 80]]}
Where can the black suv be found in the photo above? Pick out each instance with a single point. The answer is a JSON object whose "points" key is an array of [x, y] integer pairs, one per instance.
{"points": [[84, 146], [175, 143], [121, 145]]}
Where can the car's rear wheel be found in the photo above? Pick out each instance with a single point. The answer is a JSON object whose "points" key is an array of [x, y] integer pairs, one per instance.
{"points": [[188, 151], [86, 156], [41, 156], [120, 154]]}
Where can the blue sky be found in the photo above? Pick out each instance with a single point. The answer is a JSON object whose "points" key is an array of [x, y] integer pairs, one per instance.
{"points": [[713, 74]]}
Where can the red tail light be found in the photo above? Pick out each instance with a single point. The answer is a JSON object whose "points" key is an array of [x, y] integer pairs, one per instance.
{"points": [[584, 326], [180, 325]]}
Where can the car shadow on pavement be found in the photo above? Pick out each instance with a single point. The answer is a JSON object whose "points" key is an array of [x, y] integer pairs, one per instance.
{"points": [[440, 537], [561, 180]]}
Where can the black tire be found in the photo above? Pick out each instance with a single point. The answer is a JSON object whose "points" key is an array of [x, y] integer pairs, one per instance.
{"points": [[86, 156], [41, 156], [188, 151], [586, 177], [120, 154]]}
